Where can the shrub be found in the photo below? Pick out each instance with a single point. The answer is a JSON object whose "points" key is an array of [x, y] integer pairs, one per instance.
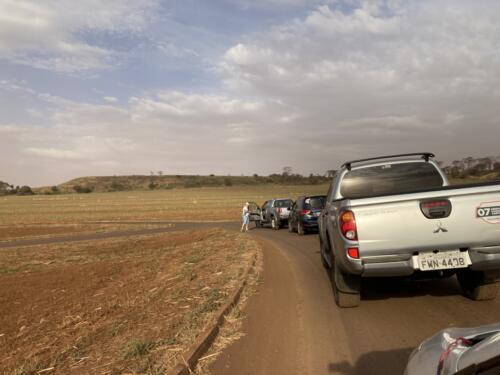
{"points": [[25, 190], [192, 183], [116, 186], [82, 190]]}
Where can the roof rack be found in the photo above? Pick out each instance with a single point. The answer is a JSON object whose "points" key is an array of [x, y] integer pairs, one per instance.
{"points": [[425, 155]]}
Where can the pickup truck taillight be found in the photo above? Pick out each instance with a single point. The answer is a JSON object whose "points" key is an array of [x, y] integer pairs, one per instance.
{"points": [[305, 212], [348, 225], [353, 252]]}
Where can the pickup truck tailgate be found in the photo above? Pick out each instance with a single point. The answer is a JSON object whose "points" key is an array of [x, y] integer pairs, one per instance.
{"points": [[382, 222]]}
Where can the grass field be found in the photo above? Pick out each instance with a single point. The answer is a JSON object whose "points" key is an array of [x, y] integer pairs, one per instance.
{"points": [[124, 305], [129, 305], [204, 204]]}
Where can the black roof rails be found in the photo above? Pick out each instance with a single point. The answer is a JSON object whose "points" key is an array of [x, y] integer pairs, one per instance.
{"points": [[425, 155]]}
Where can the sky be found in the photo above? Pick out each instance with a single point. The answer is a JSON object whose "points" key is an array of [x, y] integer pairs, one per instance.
{"points": [[237, 87]]}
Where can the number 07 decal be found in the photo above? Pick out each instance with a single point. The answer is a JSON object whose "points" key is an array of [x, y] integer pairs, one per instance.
{"points": [[489, 212]]}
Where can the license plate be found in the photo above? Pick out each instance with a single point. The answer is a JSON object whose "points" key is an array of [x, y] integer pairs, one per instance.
{"points": [[443, 260]]}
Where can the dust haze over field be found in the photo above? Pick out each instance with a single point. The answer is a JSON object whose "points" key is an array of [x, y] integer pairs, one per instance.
{"points": [[232, 87]]}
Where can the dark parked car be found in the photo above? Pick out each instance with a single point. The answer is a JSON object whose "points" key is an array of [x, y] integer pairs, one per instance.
{"points": [[304, 214]]}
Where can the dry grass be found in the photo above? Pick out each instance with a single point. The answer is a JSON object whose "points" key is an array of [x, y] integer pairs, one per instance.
{"points": [[126, 305], [116, 306], [231, 330], [205, 204], [34, 231]]}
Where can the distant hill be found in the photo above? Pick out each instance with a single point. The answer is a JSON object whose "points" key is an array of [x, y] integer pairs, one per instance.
{"points": [[465, 171], [144, 182]]}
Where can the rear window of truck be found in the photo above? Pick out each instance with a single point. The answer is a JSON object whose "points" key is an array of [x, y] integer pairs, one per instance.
{"points": [[390, 179]]}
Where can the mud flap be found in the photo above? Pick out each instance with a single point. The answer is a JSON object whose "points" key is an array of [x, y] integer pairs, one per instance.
{"points": [[346, 283]]}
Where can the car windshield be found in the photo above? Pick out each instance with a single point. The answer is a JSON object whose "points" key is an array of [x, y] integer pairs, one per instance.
{"points": [[389, 179], [315, 203], [283, 203]]}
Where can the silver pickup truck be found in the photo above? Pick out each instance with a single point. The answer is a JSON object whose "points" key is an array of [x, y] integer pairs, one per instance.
{"points": [[398, 216], [275, 212]]}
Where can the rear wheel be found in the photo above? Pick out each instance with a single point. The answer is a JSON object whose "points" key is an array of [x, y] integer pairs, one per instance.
{"points": [[275, 224], [323, 251], [346, 288], [300, 229], [476, 286]]}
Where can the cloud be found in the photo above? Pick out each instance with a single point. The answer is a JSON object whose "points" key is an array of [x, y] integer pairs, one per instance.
{"points": [[263, 4], [51, 34], [172, 50], [53, 153], [110, 99], [347, 79], [164, 130], [366, 78]]}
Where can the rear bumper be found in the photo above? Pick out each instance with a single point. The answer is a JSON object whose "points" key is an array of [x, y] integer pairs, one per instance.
{"points": [[485, 258], [310, 223], [482, 259], [387, 265]]}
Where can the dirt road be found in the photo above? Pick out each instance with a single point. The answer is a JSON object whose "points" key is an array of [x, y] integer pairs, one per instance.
{"points": [[294, 327]]}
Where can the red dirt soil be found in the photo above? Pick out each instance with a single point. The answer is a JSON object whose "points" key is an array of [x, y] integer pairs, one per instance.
{"points": [[117, 306]]}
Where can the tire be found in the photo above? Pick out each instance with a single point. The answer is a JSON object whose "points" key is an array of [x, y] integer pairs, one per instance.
{"points": [[323, 262], [275, 224], [475, 286], [300, 229], [346, 288], [324, 248]]}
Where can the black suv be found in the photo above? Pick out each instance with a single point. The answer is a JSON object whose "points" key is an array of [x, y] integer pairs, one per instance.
{"points": [[305, 212]]}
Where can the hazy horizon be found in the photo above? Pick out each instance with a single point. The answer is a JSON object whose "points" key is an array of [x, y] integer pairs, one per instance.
{"points": [[242, 87]]}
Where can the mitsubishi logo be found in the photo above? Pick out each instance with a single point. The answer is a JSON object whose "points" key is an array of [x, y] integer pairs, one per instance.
{"points": [[440, 228]]}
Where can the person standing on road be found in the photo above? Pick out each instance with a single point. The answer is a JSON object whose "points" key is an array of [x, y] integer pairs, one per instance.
{"points": [[245, 217]]}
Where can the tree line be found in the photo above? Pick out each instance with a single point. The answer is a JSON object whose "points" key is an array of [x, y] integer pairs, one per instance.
{"points": [[8, 189], [472, 167], [467, 167]]}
